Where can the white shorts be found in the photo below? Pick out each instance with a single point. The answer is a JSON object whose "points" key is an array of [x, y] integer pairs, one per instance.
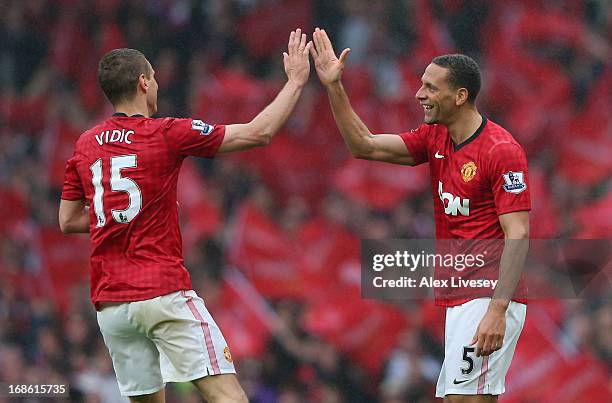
{"points": [[171, 338], [462, 372]]}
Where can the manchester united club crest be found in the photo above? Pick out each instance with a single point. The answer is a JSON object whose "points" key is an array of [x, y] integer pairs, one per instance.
{"points": [[227, 354], [468, 171]]}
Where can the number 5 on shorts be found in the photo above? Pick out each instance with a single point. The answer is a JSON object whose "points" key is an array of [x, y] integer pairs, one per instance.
{"points": [[468, 359]]}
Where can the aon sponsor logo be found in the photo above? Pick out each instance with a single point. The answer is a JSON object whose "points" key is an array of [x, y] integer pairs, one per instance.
{"points": [[453, 204]]}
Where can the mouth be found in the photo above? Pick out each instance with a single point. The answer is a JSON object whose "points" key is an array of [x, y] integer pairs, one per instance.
{"points": [[427, 107]]}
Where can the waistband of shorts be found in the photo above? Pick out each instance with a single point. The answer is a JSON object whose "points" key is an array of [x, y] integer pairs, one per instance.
{"points": [[102, 305]]}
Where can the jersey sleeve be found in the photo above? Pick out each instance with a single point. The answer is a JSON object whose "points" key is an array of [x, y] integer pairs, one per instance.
{"points": [[73, 187], [416, 141], [192, 137], [509, 178]]}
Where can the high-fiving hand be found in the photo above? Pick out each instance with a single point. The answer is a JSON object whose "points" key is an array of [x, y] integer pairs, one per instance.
{"points": [[297, 65], [329, 67]]}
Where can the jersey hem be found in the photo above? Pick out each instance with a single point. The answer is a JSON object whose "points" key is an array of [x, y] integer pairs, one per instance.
{"points": [[456, 302], [71, 198], [96, 302], [513, 210]]}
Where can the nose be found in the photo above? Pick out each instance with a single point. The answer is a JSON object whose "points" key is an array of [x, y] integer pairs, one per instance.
{"points": [[420, 95]]}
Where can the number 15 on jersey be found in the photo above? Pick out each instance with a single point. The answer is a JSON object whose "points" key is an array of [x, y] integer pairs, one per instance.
{"points": [[118, 183]]}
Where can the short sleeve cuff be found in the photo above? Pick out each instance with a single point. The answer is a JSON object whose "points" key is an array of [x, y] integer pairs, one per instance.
{"points": [[413, 147], [71, 196], [513, 209], [219, 136]]}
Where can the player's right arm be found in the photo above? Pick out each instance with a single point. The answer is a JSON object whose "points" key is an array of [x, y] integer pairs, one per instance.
{"points": [[73, 211], [360, 141], [73, 216], [264, 126]]}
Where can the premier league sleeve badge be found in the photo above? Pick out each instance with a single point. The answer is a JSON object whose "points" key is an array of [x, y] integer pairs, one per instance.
{"points": [[515, 182]]}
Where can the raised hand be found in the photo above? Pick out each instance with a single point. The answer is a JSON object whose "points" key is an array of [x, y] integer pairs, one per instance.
{"points": [[329, 67], [297, 65]]}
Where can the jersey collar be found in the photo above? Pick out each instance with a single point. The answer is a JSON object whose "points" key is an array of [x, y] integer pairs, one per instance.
{"points": [[457, 147], [123, 115]]}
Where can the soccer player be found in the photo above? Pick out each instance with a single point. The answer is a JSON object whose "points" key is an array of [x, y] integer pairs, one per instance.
{"points": [[120, 186], [479, 181]]}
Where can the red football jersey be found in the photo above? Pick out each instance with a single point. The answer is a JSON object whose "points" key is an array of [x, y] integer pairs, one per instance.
{"points": [[126, 169], [472, 183]]}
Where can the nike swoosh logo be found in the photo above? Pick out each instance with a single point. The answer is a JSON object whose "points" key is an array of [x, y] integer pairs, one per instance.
{"points": [[456, 382], [437, 155]]}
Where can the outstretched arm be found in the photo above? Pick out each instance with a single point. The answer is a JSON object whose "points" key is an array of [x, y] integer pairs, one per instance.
{"points": [[264, 126], [360, 141]]}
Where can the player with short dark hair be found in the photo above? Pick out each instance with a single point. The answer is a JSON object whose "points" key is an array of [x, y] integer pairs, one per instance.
{"points": [[479, 181], [118, 73], [463, 72], [120, 186]]}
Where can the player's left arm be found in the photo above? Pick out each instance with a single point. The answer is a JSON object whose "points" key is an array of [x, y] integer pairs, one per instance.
{"points": [[516, 243], [489, 335], [73, 216], [507, 172], [260, 130]]}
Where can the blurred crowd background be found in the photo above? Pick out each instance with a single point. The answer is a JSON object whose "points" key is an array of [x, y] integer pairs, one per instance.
{"points": [[271, 236]]}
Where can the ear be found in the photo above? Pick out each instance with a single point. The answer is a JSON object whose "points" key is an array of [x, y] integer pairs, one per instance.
{"points": [[461, 97], [142, 83]]}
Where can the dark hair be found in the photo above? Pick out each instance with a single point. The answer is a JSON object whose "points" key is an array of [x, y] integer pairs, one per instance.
{"points": [[463, 73], [118, 73]]}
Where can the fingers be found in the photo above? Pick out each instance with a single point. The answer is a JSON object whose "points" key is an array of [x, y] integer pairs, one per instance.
{"points": [[486, 347], [318, 40], [479, 345], [302, 44], [297, 43], [308, 49], [478, 341], [344, 54], [315, 41], [290, 44], [498, 344], [490, 344], [313, 51], [326, 41], [294, 41]]}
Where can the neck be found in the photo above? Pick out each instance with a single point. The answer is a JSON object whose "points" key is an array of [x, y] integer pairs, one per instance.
{"points": [[133, 108], [465, 125]]}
